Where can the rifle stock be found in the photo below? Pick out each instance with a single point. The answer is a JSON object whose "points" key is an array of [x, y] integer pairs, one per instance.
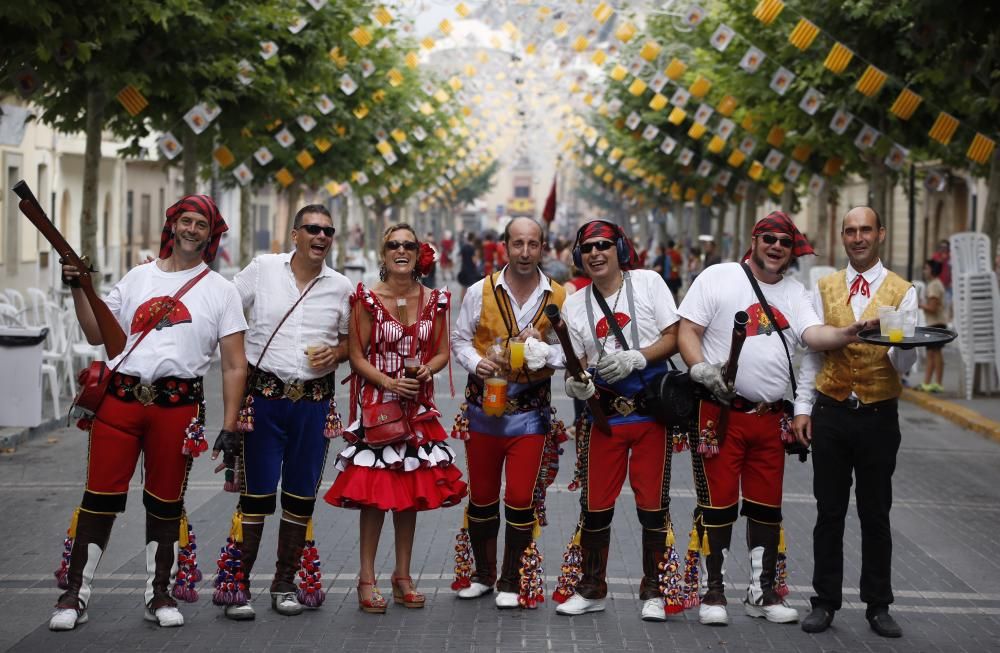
{"points": [[111, 332], [573, 365], [740, 321]]}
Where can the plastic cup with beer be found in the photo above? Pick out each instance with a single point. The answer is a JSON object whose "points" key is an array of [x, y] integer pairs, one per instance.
{"points": [[516, 355], [312, 351], [883, 312], [894, 330]]}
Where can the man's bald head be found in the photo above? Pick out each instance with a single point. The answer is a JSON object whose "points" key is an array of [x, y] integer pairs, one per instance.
{"points": [[523, 222], [863, 213]]}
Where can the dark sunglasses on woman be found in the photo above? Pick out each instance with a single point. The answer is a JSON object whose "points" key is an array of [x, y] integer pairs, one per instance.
{"points": [[408, 245]]}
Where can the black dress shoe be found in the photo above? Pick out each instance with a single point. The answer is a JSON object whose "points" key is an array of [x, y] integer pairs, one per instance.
{"points": [[883, 624], [818, 620]]}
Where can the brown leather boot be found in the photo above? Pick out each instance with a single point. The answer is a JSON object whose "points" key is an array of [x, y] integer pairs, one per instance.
{"points": [[718, 544], [594, 546], [654, 544], [291, 540], [92, 534], [516, 540], [162, 537], [761, 599], [483, 539]]}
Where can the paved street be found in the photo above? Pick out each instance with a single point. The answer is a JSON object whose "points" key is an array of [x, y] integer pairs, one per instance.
{"points": [[946, 578]]}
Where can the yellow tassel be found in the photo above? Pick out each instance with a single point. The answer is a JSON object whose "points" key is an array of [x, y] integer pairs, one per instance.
{"points": [[72, 523], [182, 539], [536, 531], [465, 519], [781, 541], [576, 537], [671, 540], [309, 531], [236, 529], [705, 549], [694, 543]]}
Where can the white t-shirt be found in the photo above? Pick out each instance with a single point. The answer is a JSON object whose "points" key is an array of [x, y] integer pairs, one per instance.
{"points": [[654, 311], [713, 300], [183, 342], [267, 287]]}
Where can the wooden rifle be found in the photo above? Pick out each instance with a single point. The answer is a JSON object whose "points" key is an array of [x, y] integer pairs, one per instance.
{"points": [[111, 332], [740, 321], [574, 367]]}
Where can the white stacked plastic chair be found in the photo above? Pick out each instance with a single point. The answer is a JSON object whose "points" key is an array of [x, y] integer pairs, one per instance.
{"points": [[57, 350], [10, 316], [82, 352], [35, 309], [976, 307], [15, 298], [921, 289]]}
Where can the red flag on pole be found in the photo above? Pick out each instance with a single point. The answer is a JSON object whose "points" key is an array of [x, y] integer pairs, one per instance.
{"points": [[549, 212]]}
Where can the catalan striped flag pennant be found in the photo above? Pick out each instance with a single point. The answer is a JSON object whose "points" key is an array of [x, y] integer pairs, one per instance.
{"points": [[133, 101], [803, 35], [768, 10], [981, 149], [944, 128], [838, 58], [871, 81], [906, 103]]}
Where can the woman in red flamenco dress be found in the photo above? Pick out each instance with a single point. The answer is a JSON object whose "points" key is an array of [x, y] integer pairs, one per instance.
{"points": [[398, 341]]}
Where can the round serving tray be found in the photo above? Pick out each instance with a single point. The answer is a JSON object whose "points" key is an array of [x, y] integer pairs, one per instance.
{"points": [[922, 337]]}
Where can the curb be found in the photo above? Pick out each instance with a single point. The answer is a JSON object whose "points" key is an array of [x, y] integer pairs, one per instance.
{"points": [[12, 436], [956, 413]]}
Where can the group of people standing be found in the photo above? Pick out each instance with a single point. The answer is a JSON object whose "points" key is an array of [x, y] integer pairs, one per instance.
{"points": [[305, 319]]}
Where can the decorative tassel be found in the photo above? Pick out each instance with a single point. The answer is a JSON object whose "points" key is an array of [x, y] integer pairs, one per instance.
{"points": [[705, 549], [333, 427], [463, 556], [71, 533], [532, 585], [787, 434], [571, 570], [460, 430], [236, 527], [582, 449], [708, 442], [188, 574], [310, 592], [670, 577], [194, 439], [230, 585], [244, 419], [781, 578], [692, 572], [678, 439], [62, 574]]}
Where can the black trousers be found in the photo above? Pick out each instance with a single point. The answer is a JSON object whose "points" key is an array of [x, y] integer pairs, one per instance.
{"points": [[863, 441]]}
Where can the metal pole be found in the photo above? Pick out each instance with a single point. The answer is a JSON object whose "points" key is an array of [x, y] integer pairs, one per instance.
{"points": [[913, 223]]}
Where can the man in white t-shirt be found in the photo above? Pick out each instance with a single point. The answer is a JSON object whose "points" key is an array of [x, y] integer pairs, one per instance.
{"points": [[643, 309], [154, 406], [750, 453], [299, 311]]}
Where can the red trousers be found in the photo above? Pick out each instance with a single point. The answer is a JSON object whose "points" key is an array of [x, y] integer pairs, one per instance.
{"points": [[123, 430], [751, 458], [640, 449], [518, 458]]}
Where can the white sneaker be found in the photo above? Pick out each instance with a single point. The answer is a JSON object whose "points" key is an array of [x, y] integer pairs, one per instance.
{"points": [[167, 616], [240, 612], [506, 600], [286, 603], [67, 619], [474, 591], [713, 615], [576, 604], [653, 610], [779, 613]]}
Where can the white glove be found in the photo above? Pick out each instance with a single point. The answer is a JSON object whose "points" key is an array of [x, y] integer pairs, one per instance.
{"points": [[536, 354], [710, 376], [582, 390], [615, 367]]}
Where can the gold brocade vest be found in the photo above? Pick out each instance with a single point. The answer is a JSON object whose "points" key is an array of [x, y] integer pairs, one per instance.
{"points": [[860, 368], [497, 313]]}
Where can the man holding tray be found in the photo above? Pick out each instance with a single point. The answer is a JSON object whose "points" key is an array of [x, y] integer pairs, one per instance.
{"points": [[846, 406]]}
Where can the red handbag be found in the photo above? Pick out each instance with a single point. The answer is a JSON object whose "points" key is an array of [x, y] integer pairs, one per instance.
{"points": [[384, 423]]}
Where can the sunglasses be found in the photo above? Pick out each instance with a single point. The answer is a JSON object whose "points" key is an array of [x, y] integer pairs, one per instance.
{"points": [[770, 239], [600, 246], [408, 245], [315, 230]]}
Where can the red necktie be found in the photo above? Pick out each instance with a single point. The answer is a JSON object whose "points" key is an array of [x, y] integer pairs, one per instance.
{"points": [[860, 285]]}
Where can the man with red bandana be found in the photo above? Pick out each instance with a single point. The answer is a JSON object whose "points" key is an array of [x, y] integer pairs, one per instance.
{"points": [[637, 446], [289, 415], [750, 454], [155, 407]]}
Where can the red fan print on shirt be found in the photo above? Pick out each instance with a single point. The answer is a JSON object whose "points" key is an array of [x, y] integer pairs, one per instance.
{"points": [[759, 325], [603, 329], [179, 314]]}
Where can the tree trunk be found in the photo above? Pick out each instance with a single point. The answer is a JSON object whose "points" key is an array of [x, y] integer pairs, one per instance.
{"points": [[720, 227], [294, 193], [738, 210], [91, 175], [788, 199], [246, 227], [747, 220], [878, 186], [991, 214], [340, 212], [190, 154], [821, 240]]}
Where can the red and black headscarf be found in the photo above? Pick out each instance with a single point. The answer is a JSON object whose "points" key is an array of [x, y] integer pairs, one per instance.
{"points": [[611, 231], [777, 222], [202, 205]]}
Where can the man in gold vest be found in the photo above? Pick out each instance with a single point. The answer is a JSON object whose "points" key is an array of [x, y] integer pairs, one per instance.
{"points": [[849, 414], [521, 445]]}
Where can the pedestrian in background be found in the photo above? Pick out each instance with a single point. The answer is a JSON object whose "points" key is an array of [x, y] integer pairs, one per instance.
{"points": [[935, 315]]}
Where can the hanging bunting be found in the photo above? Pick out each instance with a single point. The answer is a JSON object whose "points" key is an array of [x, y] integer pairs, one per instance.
{"points": [[658, 102], [776, 136], [801, 152], [722, 37], [841, 120], [781, 80], [306, 122], [133, 101], [699, 88], [703, 113], [224, 156], [650, 132], [803, 35], [676, 116], [773, 159], [243, 174], [727, 105], [980, 149], [196, 119], [838, 58], [755, 171], [632, 121], [298, 25], [305, 159], [752, 60], [668, 145], [767, 10], [696, 131], [811, 101], [244, 72], [716, 144], [675, 69], [832, 166], [816, 184], [680, 98], [462, 10], [169, 146], [285, 138], [944, 128], [747, 145], [268, 49], [263, 156], [871, 81], [685, 157], [793, 171], [725, 128], [906, 103], [896, 157], [347, 84], [324, 104], [693, 15], [704, 169]]}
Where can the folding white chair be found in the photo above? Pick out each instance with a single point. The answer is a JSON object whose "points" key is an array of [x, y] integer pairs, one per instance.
{"points": [[35, 310], [15, 298]]}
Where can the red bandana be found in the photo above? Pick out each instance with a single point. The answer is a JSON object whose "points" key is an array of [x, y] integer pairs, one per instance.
{"points": [[777, 222], [611, 231], [202, 205], [859, 285]]}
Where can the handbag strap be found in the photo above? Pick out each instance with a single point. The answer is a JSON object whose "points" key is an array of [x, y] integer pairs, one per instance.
{"points": [[164, 310], [770, 315], [282, 321]]}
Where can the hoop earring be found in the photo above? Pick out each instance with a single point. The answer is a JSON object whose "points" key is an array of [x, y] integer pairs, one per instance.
{"points": [[382, 272]]}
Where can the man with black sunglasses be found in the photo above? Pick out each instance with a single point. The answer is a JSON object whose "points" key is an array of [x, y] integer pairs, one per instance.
{"points": [[846, 407], [521, 446], [299, 313], [743, 429]]}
